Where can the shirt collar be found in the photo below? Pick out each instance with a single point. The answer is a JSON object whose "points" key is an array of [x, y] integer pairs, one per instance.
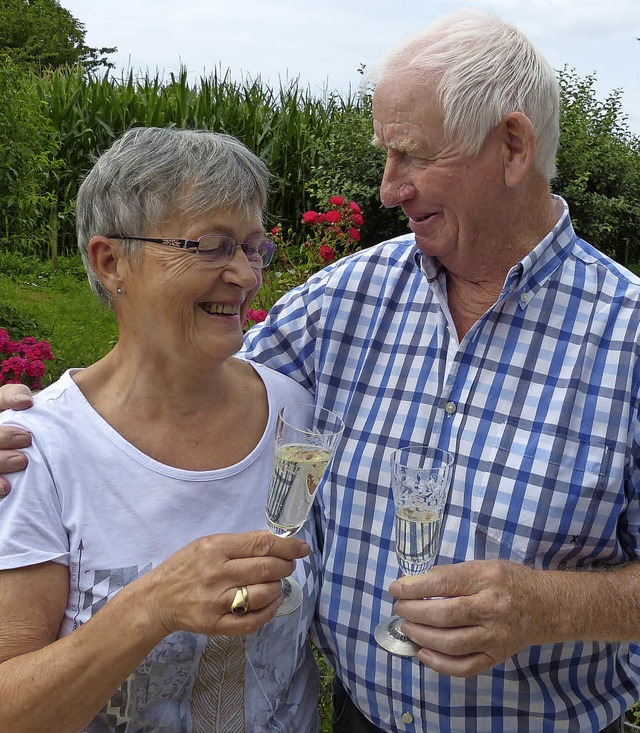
{"points": [[526, 277]]}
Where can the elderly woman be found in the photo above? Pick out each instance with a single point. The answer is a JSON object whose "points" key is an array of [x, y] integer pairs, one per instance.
{"points": [[121, 564]]}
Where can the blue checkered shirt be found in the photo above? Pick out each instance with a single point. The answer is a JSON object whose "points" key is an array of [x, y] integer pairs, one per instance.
{"points": [[539, 405]]}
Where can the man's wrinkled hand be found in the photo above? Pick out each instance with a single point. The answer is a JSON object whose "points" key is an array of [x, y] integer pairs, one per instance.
{"points": [[12, 439], [471, 616]]}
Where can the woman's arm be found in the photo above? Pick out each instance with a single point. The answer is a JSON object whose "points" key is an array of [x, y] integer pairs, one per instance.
{"points": [[58, 685]]}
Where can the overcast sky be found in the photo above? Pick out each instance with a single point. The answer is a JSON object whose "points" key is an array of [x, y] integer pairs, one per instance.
{"points": [[324, 43]]}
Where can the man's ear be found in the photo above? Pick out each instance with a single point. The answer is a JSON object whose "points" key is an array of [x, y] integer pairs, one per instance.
{"points": [[105, 258], [519, 147]]}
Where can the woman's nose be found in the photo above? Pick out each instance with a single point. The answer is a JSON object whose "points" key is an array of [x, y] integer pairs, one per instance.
{"points": [[240, 271]]}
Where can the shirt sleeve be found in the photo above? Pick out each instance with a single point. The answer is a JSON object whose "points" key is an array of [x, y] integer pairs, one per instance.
{"points": [[629, 524], [31, 526], [286, 340]]}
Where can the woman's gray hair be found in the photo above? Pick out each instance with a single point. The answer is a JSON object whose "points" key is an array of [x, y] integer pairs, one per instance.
{"points": [[484, 69], [151, 175]]}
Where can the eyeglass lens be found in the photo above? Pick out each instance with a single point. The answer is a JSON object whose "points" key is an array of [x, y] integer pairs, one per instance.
{"points": [[220, 248]]}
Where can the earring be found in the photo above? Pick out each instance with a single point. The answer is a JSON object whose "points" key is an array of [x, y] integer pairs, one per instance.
{"points": [[119, 291]]}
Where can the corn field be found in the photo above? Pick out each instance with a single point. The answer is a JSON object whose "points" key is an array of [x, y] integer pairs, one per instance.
{"points": [[81, 116], [52, 126]]}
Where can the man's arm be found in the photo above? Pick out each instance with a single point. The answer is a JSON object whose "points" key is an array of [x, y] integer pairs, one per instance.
{"points": [[13, 397]]}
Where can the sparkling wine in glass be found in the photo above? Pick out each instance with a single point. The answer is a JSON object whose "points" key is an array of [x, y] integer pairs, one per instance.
{"points": [[420, 478], [305, 441]]}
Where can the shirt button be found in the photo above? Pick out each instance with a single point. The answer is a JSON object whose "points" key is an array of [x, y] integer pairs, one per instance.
{"points": [[525, 297], [407, 718], [450, 408]]}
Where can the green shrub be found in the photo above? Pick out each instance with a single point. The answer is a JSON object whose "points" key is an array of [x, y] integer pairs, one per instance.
{"points": [[599, 168], [347, 164], [28, 162], [17, 323]]}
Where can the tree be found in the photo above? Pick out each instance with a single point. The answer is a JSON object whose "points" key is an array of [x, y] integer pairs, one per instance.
{"points": [[598, 167], [40, 34]]}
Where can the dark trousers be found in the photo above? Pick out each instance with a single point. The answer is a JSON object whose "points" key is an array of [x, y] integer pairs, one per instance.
{"points": [[346, 716], [348, 719]]}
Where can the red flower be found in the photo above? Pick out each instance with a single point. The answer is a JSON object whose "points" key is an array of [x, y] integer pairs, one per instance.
{"points": [[35, 369], [327, 253], [257, 316], [310, 217], [333, 217], [7, 346], [357, 220], [275, 231], [15, 364], [322, 218], [354, 207], [354, 234], [337, 200], [25, 361]]}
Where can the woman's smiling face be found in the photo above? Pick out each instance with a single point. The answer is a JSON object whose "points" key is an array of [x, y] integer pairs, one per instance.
{"points": [[182, 306]]}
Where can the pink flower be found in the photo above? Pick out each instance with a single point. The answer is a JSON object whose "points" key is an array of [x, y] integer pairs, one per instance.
{"points": [[333, 217], [310, 217], [257, 316], [7, 346], [337, 200], [354, 234], [35, 369], [357, 220], [327, 253], [25, 361], [15, 364], [275, 231], [354, 207]]}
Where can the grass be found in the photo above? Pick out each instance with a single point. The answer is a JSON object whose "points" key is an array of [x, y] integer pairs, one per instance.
{"points": [[61, 307]]}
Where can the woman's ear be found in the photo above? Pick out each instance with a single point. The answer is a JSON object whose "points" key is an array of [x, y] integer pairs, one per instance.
{"points": [[519, 148], [105, 258]]}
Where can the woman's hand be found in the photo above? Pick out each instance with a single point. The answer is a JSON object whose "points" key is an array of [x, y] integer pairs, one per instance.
{"points": [[193, 589], [15, 397]]}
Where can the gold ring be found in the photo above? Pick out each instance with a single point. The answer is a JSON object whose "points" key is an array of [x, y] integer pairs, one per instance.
{"points": [[240, 603]]}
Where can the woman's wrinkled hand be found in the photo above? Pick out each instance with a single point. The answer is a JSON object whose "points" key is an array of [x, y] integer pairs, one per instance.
{"points": [[193, 589]]}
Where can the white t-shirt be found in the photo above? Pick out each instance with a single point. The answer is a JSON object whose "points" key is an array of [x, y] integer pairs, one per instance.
{"points": [[92, 501]]}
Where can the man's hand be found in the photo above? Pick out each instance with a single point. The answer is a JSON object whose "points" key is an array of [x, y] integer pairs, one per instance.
{"points": [[471, 616], [15, 397]]}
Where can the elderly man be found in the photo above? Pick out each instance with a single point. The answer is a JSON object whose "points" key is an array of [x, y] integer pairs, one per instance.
{"points": [[494, 332]]}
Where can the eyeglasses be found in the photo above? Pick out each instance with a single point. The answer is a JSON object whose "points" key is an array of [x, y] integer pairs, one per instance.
{"points": [[219, 249]]}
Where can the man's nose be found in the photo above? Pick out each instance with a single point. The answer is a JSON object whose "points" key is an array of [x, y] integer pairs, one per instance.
{"points": [[395, 188]]}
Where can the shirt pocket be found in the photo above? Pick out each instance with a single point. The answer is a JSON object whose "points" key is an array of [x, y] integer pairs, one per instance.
{"points": [[542, 497]]}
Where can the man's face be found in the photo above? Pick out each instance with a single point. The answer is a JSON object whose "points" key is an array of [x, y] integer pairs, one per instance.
{"points": [[452, 200]]}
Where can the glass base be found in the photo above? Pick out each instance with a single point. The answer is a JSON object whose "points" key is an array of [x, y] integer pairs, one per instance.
{"points": [[292, 594], [389, 637]]}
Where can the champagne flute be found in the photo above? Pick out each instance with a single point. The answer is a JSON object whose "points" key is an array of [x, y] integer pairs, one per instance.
{"points": [[420, 477], [305, 441]]}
